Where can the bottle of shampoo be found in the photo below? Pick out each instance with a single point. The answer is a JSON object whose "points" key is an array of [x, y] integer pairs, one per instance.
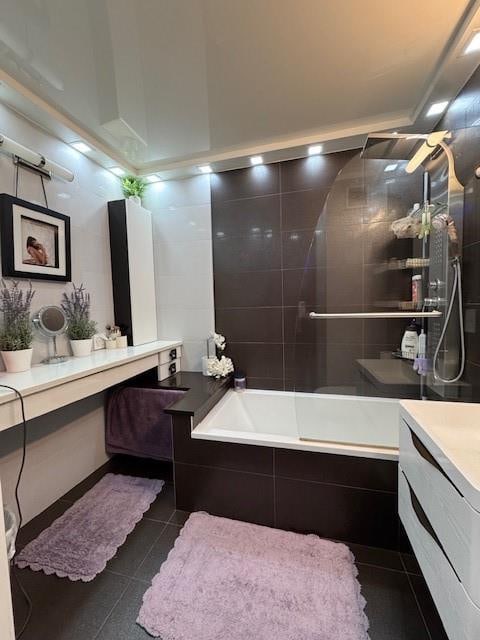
{"points": [[410, 342]]}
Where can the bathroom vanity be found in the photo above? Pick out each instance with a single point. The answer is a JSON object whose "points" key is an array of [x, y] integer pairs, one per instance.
{"points": [[439, 505]]}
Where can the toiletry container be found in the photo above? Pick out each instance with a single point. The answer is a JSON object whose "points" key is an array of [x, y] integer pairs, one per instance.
{"points": [[410, 342], [422, 344], [239, 381], [417, 291]]}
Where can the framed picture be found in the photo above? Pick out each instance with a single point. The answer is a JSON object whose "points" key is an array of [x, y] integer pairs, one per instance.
{"points": [[35, 241]]}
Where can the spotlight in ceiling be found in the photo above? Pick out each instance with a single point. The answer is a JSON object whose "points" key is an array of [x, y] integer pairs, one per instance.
{"points": [[118, 171], [153, 178], [254, 160], [390, 167], [205, 168], [473, 43], [437, 108], [81, 146], [315, 149]]}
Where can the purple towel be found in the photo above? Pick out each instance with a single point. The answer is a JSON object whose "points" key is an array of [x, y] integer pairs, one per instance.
{"points": [[137, 424]]}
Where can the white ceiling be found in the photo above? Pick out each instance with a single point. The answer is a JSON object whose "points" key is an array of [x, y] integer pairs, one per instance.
{"points": [[164, 84]]}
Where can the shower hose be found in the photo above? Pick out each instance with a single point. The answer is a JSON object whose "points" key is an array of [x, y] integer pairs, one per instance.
{"points": [[456, 291]]}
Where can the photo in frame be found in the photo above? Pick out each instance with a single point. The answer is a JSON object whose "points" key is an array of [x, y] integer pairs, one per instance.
{"points": [[35, 241]]}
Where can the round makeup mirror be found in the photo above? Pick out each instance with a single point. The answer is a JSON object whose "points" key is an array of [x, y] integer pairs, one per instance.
{"points": [[51, 321]]}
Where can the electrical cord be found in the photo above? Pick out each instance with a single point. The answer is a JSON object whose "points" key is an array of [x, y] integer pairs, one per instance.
{"points": [[19, 508]]}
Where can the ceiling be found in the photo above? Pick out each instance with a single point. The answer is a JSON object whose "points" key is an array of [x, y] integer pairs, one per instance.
{"points": [[165, 85]]}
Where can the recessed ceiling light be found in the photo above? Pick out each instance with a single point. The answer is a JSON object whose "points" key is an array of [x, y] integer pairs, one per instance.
{"points": [[437, 108], [205, 168], [153, 178], [256, 160], [391, 167], [315, 149], [473, 43], [118, 171], [81, 146]]}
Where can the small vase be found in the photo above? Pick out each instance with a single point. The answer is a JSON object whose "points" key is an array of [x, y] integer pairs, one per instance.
{"points": [[205, 361], [16, 361], [81, 348]]}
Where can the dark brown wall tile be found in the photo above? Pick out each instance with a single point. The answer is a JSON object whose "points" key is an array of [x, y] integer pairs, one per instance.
{"points": [[302, 209], [247, 216], [313, 172], [229, 494], [249, 253], [245, 183], [250, 325], [248, 289], [367, 473], [471, 273], [333, 511], [258, 360]]}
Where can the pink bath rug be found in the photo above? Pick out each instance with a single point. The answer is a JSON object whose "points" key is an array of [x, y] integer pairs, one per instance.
{"points": [[229, 580], [79, 544]]}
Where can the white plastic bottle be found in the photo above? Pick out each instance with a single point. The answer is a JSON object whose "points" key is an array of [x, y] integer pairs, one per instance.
{"points": [[422, 344], [410, 342]]}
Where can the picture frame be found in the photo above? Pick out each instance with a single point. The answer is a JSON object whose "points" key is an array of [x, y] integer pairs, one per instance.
{"points": [[35, 241]]}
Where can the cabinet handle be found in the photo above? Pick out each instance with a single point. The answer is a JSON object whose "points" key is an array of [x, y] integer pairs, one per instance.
{"points": [[426, 455], [425, 523]]}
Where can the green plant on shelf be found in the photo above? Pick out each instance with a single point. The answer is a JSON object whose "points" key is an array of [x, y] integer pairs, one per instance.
{"points": [[133, 186]]}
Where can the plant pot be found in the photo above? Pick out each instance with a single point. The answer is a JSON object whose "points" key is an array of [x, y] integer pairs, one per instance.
{"points": [[135, 199], [16, 361], [81, 348]]}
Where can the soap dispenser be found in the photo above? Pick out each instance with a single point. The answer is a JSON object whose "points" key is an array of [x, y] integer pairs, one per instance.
{"points": [[410, 342]]}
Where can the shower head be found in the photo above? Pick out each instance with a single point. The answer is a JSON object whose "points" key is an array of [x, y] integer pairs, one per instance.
{"points": [[428, 147]]}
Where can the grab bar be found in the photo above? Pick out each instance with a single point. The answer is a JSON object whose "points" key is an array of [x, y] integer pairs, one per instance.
{"points": [[385, 314]]}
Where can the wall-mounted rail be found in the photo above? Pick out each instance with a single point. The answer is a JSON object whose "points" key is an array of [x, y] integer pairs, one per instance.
{"points": [[376, 314]]}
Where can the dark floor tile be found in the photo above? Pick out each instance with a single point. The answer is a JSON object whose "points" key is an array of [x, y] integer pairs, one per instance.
{"points": [[65, 610], [179, 517], [135, 548], [121, 623], [246, 217], [33, 528], [231, 494], [248, 289], [250, 325], [332, 511], [158, 554], [428, 608], [164, 505], [391, 606], [374, 556], [142, 467], [245, 183]]}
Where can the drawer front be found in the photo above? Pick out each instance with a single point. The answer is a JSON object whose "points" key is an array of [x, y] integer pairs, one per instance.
{"points": [[460, 616], [168, 369], [170, 355], [455, 522]]}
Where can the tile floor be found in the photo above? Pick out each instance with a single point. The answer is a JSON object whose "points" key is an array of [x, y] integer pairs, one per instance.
{"points": [[399, 606]]}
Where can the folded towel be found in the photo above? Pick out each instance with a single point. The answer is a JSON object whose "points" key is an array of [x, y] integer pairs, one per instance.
{"points": [[137, 424]]}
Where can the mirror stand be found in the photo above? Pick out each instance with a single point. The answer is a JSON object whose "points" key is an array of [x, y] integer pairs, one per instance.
{"points": [[55, 359]]}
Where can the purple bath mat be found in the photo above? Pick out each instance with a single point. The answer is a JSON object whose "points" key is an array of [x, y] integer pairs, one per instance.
{"points": [[79, 544], [229, 580]]}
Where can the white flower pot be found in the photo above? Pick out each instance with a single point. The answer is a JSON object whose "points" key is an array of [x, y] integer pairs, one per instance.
{"points": [[16, 361], [135, 199], [81, 348]]}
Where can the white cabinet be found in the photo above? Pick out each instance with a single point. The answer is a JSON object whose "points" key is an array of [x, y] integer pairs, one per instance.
{"points": [[437, 485]]}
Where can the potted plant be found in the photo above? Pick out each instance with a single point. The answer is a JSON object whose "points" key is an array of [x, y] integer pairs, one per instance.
{"points": [[80, 329], [16, 335], [133, 188]]}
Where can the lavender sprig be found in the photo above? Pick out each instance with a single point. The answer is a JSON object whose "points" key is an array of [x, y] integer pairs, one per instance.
{"points": [[76, 306], [15, 303]]}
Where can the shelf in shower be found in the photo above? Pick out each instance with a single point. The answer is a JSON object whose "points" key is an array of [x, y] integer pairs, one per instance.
{"points": [[405, 264]]}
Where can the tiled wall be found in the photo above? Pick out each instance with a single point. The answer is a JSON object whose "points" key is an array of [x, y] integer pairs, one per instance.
{"points": [[463, 119], [182, 239], [313, 230]]}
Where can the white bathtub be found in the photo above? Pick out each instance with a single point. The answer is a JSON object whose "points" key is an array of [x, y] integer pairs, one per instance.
{"points": [[347, 425]]}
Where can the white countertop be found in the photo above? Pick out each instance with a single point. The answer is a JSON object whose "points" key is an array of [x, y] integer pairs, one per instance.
{"points": [[451, 432], [46, 376]]}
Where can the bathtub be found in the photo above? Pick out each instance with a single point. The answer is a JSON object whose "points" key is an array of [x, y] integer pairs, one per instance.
{"points": [[345, 425]]}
